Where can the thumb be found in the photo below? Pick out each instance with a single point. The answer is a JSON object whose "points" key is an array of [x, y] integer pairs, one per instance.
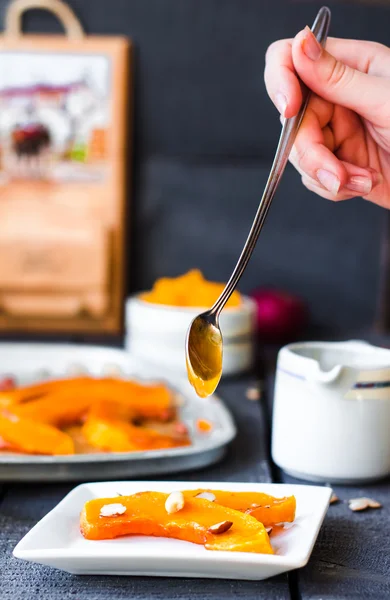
{"points": [[337, 82]]}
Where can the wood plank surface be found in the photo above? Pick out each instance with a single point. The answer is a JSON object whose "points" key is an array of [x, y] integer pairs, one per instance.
{"points": [[351, 558]]}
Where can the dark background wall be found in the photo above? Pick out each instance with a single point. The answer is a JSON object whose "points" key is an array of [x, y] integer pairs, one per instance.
{"points": [[205, 133]]}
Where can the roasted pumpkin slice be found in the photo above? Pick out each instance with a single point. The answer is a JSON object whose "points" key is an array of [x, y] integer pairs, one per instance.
{"points": [[34, 391], [57, 409], [69, 403], [107, 427], [199, 521], [24, 435], [265, 508], [147, 401]]}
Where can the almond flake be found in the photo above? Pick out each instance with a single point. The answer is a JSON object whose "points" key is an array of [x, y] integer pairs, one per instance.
{"points": [[113, 371], [174, 502], [268, 529], [206, 496], [220, 527], [77, 370], [253, 393], [334, 499], [112, 510], [357, 504]]}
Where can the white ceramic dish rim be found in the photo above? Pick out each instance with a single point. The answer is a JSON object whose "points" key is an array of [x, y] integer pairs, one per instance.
{"points": [[366, 348], [247, 304], [298, 561]]}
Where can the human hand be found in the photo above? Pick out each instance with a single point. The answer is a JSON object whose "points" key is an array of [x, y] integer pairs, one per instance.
{"points": [[342, 149]]}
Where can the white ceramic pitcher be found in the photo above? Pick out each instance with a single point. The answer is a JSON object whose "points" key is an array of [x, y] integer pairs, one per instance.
{"points": [[331, 417]]}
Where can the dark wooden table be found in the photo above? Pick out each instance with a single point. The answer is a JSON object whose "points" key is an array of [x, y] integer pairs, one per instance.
{"points": [[350, 560]]}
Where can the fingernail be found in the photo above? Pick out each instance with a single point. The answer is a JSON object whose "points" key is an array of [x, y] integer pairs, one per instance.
{"points": [[359, 183], [330, 181], [310, 46], [281, 103]]}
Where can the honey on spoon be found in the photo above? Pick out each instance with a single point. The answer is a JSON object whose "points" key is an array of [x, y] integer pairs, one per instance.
{"points": [[204, 345], [204, 355]]}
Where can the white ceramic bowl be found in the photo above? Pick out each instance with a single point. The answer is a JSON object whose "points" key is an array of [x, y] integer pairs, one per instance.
{"points": [[331, 417], [157, 333]]}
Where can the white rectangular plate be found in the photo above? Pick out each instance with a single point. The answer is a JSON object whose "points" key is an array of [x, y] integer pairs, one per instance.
{"points": [[29, 362], [56, 540]]}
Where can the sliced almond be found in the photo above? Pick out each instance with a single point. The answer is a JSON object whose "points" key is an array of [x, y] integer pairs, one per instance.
{"points": [[206, 496], [220, 527], [253, 393], [254, 506], [112, 510], [357, 504], [174, 502], [334, 499], [268, 529], [114, 371], [76, 370]]}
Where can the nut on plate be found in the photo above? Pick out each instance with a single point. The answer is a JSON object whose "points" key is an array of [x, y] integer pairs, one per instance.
{"points": [[174, 502], [112, 510], [206, 496], [220, 527]]}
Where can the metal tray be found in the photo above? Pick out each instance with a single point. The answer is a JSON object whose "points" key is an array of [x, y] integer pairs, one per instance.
{"points": [[31, 362]]}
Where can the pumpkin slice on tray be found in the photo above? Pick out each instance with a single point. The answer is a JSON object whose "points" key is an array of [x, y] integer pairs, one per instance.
{"points": [[190, 519], [24, 435], [149, 401], [20, 395], [108, 427]]}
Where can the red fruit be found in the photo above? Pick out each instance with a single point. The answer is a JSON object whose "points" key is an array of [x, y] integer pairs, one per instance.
{"points": [[280, 316]]}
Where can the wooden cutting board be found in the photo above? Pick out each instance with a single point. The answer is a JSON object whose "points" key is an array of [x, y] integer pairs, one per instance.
{"points": [[64, 103]]}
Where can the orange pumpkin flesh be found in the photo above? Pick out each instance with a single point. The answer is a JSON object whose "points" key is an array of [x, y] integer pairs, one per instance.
{"points": [[53, 409], [146, 515], [67, 403], [28, 393], [107, 427], [188, 290], [34, 438], [266, 509]]}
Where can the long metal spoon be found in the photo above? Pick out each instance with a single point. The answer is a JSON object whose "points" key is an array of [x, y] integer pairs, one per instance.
{"points": [[204, 345]]}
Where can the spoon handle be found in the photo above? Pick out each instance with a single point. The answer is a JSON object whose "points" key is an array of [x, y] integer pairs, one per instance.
{"points": [[286, 141]]}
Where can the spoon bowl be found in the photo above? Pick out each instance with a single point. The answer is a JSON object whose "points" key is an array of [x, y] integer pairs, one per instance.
{"points": [[204, 350]]}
